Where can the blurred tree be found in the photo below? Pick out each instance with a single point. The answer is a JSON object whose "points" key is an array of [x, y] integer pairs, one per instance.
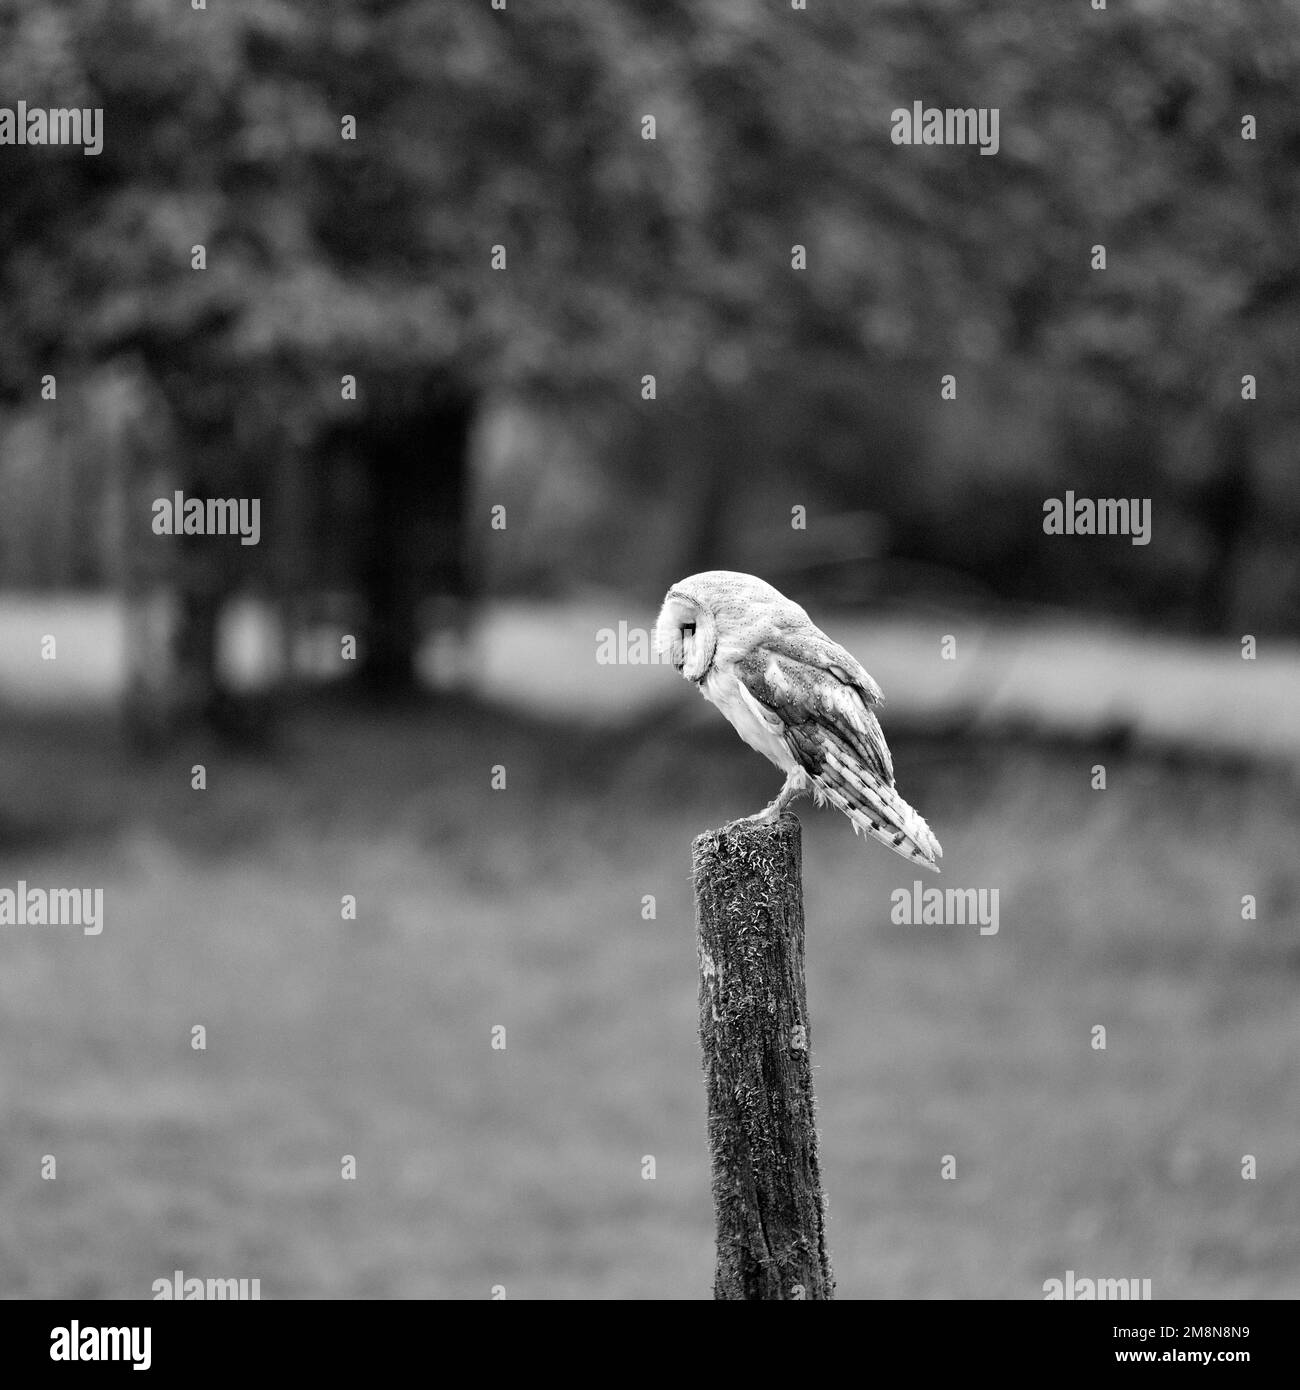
{"points": [[517, 138]]}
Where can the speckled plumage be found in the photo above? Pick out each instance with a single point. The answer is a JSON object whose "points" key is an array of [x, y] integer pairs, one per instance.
{"points": [[795, 696]]}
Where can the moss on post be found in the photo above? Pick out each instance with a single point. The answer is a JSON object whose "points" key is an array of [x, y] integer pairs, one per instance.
{"points": [[754, 1031]]}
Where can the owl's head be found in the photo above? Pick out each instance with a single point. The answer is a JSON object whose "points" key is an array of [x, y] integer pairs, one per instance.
{"points": [[717, 604], [687, 631]]}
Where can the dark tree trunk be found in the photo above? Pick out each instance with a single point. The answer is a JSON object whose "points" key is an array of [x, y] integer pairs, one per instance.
{"points": [[1226, 508], [416, 451], [708, 465]]}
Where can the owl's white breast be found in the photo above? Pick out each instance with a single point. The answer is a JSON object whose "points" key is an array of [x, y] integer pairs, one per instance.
{"points": [[759, 728]]}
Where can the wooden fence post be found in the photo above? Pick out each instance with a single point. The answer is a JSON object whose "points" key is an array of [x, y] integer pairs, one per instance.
{"points": [[754, 1031]]}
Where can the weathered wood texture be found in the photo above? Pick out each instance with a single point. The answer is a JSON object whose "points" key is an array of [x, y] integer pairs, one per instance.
{"points": [[754, 1031]]}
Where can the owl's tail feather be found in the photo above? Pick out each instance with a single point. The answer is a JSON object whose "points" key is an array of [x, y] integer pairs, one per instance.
{"points": [[875, 809]]}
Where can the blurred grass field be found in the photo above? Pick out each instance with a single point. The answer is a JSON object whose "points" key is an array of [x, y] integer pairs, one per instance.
{"points": [[522, 907]]}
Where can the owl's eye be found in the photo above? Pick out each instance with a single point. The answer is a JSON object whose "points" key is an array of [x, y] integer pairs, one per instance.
{"points": [[688, 629]]}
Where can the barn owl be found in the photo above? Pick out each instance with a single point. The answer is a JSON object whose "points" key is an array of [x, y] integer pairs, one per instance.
{"points": [[796, 697]]}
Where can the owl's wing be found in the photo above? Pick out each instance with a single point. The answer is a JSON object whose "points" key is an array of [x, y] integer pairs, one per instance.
{"points": [[820, 700], [817, 689]]}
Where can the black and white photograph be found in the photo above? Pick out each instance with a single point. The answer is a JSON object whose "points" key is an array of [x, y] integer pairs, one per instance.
{"points": [[649, 650]]}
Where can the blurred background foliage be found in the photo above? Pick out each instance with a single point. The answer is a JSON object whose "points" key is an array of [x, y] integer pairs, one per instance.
{"points": [[670, 257]]}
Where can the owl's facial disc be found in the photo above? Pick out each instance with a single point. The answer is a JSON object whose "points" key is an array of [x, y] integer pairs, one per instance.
{"points": [[699, 639], [685, 632]]}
